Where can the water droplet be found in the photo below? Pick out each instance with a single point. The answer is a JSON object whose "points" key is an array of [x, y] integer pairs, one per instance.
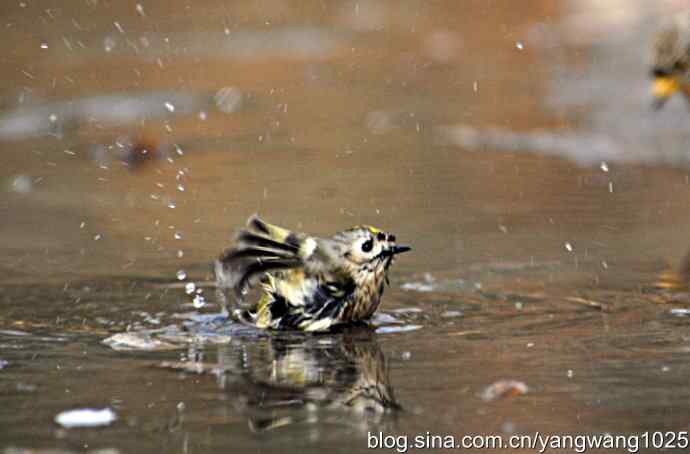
{"points": [[181, 275], [604, 166], [140, 10], [570, 373], [172, 204], [189, 288], [229, 99], [178, 235], [180, 253], [203, 116], [52, 117], [170, 107], [199, 302], [109, 43], [568, 247], [680, 312], [44, 45], [82, 225], [178, 150], [519, 45], [180, 188], [22, 184], [97, 237]]}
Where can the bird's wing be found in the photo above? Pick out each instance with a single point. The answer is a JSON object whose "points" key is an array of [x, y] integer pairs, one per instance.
{"points": [[262, 248], [306, 303]]}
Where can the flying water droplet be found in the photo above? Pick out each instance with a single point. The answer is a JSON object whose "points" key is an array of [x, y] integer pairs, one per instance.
{"points": [[181, 275], [172, 204], [178, 235], [519, 45], [180, 188], [229, 99], [199, 302], [604, 166], [189, 288], [109, 44], [22, 184], [180, 253], [568, 247], [170, 107]]}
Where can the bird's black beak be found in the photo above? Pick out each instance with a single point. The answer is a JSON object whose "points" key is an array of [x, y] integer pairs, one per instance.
{"points": [[400, 249]]}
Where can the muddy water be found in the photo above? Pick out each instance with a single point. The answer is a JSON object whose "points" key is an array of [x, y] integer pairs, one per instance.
{"points": [[533, 263]]}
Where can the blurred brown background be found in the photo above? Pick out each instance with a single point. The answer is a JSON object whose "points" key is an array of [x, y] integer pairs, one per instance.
{"points": [[510, 143]]}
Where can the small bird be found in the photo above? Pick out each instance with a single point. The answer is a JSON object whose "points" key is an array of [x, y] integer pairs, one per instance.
{"points": [[671, 60], [307, 283]]}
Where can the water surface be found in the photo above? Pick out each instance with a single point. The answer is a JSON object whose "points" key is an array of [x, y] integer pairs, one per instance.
{"points": [[137, 139]]}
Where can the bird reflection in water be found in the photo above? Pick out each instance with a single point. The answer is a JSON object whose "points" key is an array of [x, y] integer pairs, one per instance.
{"points": [[293, 380]]}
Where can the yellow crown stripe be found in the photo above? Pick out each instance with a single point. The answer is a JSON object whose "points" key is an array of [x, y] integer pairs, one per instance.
{"points": [[370, 228], [665, 87]]}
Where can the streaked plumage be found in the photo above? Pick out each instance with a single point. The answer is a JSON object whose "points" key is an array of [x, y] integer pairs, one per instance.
{"points": [[306, 282], [671, 59]]}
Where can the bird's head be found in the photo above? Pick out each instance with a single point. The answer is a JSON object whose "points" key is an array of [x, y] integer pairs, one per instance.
{"points": [[670, 62], [368, 252], [666, 84]]}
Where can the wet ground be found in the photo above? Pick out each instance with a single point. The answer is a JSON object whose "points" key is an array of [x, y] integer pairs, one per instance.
{"points": [[513, 148]]}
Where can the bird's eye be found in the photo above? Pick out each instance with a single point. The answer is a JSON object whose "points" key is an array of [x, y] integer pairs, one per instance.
{"points": [[381, 236], [368, 245]]}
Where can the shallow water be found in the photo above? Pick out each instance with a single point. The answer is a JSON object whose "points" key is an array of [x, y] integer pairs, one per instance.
{"points": [[136, 140]]}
